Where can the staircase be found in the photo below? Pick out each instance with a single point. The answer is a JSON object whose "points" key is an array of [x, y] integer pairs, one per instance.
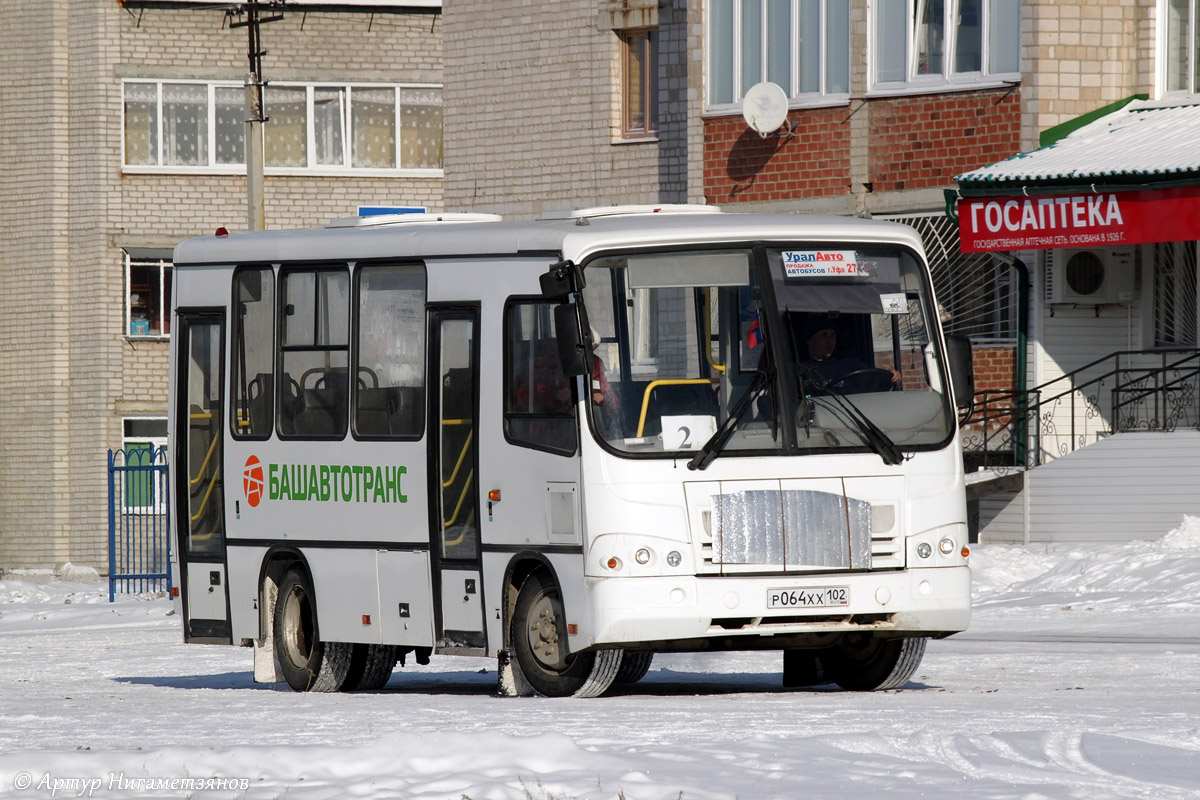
{"points": [[1110, 451]]}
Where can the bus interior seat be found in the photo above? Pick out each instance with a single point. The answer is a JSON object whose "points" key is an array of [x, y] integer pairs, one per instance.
{"points": [[259, 393], [389, 411]]}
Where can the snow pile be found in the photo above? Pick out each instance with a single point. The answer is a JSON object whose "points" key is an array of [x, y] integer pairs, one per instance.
{"points": [[1162, 574]]}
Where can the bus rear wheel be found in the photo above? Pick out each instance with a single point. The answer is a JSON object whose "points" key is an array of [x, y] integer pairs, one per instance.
{"points": [[539, 638], [866, 663], [307, 663]]}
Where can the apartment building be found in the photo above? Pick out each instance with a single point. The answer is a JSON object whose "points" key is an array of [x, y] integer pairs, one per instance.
{"points": [[121, 133]]}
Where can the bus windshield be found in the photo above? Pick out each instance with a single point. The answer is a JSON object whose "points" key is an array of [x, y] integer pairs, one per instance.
{"points": [[778, 349]]}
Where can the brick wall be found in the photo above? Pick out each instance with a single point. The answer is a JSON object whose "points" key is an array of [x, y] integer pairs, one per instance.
{"points": [[68, 375], [924, 141], [911, 142], [741, 166], [533, 110], [993, 365]]}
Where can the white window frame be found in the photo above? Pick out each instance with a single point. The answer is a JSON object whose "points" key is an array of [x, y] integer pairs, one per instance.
{"points": [[797, 99], [158, 445], [163, 300], [345, 169], [1163, 51], [947, 80]]}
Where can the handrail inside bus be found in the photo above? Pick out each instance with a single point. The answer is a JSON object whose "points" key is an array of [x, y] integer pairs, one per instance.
{"points": [[212, 448], [708, 332], [664, 382], [207, 494], [461, 456]]}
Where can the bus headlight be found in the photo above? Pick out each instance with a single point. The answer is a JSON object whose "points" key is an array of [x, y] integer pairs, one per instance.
{"points": [[674, 559], [946, 546], [924, 550], [642, 556]]}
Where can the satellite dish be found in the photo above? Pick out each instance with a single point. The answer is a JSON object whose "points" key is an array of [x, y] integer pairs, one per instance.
{"points": [[765, 107]]}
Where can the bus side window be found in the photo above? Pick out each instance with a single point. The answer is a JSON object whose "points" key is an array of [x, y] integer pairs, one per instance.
{"points": [[253, 353], [314, 352], [539, 409], [389, 353]]}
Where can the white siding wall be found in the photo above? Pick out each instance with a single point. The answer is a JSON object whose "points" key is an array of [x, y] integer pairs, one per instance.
{"points": [[1128, 486]]}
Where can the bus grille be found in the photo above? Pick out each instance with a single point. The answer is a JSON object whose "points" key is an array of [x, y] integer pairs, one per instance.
{"points": [[799, 530]]}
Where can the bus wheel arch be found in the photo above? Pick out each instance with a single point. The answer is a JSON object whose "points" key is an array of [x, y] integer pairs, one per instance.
{"points": [[302, 658], [537, 639]]}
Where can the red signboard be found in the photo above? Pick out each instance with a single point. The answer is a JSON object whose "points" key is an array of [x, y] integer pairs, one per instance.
{"points": [[1086, 219]]}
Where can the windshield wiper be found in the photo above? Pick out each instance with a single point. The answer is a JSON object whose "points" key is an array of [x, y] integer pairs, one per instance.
{"points": [[716, 443], [871, 434]]}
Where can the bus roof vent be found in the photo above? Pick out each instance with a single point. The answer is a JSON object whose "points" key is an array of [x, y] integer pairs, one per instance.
{"points": [[381, 220], [616, 211]]}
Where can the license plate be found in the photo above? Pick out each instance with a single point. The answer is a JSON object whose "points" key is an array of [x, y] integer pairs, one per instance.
{"points": [[812, 597]]}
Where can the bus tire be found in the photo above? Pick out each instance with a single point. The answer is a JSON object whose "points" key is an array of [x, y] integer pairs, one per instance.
{"points": [[539, 637], [307, 663], [865, 663], [371, 667], [634, 667]]}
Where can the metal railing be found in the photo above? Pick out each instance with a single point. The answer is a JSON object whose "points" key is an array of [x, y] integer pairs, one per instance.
{"points": [[1131, 390], [139, 540]]}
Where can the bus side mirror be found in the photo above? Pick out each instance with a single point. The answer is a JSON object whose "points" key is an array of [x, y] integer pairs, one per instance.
{"points": [[962, 371], [561, 279], [570, 322]]}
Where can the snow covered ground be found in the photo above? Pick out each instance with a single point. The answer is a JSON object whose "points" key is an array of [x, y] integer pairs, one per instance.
{"points": [[1077, 679]]}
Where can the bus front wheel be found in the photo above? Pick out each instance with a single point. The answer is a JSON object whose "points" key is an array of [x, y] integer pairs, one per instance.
{"points": [[539, 638], [866, 663], [307, 663]]}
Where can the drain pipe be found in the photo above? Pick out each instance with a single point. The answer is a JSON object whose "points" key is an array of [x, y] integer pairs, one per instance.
{"points": [[1021, 424]]}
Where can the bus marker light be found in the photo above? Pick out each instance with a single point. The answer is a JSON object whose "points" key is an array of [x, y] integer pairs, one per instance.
{"points": [[642, 556], [613, 562], [222, 232], [966, 551], [366, 619], [572, 629], [494, 496], [175, 590]]}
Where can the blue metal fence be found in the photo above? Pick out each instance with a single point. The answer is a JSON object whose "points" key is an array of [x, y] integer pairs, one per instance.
{"points": [[139, 536]]}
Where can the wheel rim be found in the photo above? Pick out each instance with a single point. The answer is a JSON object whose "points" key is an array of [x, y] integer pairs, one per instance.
{"points": [[545, 635], [297, 624]]}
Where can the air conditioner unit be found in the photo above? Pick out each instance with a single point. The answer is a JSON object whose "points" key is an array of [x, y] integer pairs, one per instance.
{"points": [[1093, 277]]}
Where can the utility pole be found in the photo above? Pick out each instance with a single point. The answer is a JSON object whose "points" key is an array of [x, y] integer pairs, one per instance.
{"points": [[255, 109]]}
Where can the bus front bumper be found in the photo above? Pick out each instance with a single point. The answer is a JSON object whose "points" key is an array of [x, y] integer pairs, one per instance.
{"points": [[628, 610]]}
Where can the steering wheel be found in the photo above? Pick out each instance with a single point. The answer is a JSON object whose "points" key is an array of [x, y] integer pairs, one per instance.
{"points": [[866, 379]]}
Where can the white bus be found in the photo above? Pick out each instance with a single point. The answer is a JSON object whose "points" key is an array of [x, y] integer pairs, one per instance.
{"points": [[568, 443]]}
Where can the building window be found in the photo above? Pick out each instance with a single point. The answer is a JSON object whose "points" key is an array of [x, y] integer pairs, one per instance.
{"points": [[946, 42], [1182, 43], [639, 68], [198, 126], [801, 45], [144, 442], [1175, 294], [147, 296]]}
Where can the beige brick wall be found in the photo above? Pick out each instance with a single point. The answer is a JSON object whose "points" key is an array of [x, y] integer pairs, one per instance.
{"points": [[1079, 55], [68, 375], [533, 113]]}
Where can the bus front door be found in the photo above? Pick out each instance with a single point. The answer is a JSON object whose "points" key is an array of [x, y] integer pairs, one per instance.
{"points": [[199, 488], [454, 409]]}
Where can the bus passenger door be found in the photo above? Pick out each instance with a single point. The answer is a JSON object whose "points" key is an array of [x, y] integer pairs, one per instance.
{"points": [[199, 485], [454, 409]]}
